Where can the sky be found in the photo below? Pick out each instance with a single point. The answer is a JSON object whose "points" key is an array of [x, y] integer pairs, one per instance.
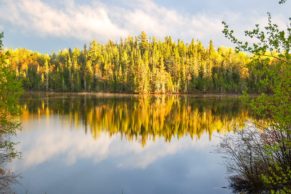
{"points": [[52, 25]]}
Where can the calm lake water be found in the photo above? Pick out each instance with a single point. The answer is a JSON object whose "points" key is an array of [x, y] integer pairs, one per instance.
{"points": [[124, 145]]}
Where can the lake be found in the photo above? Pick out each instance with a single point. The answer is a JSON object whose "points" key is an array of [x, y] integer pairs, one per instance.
{"points": [[124, 144]]}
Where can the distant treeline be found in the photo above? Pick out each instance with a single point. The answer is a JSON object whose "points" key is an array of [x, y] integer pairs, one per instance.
{"points": [[140, 65]]}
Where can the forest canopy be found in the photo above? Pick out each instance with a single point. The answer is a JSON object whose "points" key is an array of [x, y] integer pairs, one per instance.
{"points": [[141, 64]]}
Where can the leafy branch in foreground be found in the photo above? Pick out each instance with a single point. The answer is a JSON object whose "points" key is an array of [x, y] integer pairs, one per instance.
{"points": [[264, 166], [269, 41], [10, 91]]}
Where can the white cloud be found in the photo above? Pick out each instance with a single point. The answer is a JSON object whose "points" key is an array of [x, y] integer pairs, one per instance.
{"points": [[78, 21], [58, 140], [102, 21]]}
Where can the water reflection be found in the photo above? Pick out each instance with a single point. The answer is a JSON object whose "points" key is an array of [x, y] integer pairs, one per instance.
{"points": [[142, 119], [89, 144]]}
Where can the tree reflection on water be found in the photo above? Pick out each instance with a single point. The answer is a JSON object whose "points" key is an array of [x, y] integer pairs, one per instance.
{"points": [[142, 118]]}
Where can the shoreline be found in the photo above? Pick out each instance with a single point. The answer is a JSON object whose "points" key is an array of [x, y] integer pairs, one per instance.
{"points": [[108, 94]]}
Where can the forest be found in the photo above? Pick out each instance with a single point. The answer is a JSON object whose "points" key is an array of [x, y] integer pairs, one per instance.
{"points": [[142, 65], [81, 132]]}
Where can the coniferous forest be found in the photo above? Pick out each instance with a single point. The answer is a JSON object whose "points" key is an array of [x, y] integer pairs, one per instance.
{"points": [[145, 114], [141, 64]]}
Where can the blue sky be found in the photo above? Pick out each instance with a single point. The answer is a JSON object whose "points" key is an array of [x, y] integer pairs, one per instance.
{"points": [[51, 25]]}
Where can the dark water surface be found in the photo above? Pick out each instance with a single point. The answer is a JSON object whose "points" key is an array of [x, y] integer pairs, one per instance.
{"points": [[124, 145]]}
